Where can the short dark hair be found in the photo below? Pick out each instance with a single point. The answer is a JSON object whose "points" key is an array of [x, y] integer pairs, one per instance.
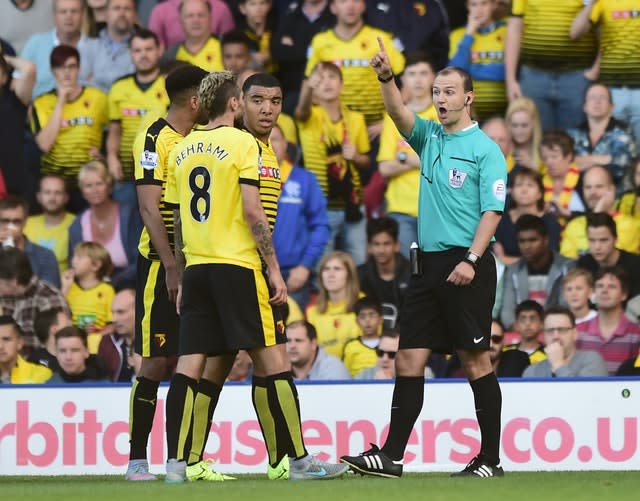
{"points": [[61, 54], [235, 37], [597, 84], [262, 80], [600, 219], [9, 320], [499, 322], [43, 322], [183, 82], [616, 271], [310, 329], [145, 34], [529, 222], [560, 310], [530, 305], [72, 331], [382, 224], [559, 138], [13, 202], [367, 303], [14, 264], [467, 82], [417, 57]]}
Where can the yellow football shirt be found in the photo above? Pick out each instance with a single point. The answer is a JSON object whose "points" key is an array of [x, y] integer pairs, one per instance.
{"points": [[402, 190], [361, 91], [357, 356], [54, 238], [81, 128], [209, 58], [135, 106], [270, 182], [335, 327], [208, 167], [91, 310], [619, 23], [321, 141], [151, 154]]}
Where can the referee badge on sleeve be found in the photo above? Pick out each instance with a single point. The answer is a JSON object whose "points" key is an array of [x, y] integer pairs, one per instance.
{"points": [[149, 160], [456, 178]]}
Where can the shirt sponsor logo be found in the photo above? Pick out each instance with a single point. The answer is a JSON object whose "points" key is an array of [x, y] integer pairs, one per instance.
{"points": [[456, 178], [149, 160], [499, 190], [72, 122]]}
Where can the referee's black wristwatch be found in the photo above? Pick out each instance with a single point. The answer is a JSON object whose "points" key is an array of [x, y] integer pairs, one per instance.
{"points": [[472, 258]]}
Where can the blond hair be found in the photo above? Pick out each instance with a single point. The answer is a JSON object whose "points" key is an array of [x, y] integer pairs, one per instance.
{"points": [[215, 90], [528, 106], [578, 272], [352, 285], [99, 168], [97, 254]]}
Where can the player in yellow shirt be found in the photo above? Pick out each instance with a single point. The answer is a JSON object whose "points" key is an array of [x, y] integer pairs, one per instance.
{"points": [[68, 122], [350, 45], [51, 228], [335, 146], [226, 301], [157, 276], [88, 295], [397, 162], [135, 102], [200, 47]]}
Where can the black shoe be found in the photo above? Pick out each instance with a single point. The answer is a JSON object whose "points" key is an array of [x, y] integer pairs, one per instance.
{"points": [[374, 462], [479, 467]]}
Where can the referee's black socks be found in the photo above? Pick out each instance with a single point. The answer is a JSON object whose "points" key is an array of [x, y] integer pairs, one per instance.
{"points": [[488, 400], [142, 408], [179, 410], [406, 404], [204, 405], [275, 399]]}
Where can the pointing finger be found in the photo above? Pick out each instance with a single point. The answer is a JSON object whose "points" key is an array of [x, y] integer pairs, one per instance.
{"points": [[380, 43]]}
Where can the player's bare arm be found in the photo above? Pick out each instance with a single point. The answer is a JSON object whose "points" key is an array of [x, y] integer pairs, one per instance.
{"points": [[402, 116], [464, 273]]}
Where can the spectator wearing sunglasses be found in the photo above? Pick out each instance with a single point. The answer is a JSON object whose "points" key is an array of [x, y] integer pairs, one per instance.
{"points": [[386, 351]]}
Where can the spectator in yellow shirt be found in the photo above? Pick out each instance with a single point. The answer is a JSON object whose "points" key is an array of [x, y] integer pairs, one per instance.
{"points": [[13, 368]]}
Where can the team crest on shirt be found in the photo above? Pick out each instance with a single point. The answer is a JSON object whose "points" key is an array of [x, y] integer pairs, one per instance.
{"points": [[149, 160], [456, 178], [161, 339]]}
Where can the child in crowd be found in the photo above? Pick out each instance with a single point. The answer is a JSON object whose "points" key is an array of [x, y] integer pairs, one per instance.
{"points": [[88, 294], [577, 288], [258, 31], [360, 353], [529, 324], [335, 146]]}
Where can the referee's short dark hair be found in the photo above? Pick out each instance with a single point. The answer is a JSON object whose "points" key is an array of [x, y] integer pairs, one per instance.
{"points": [[529, 222], [183, 82], [382, 224], [262, 80], [600, 219], [615, 271], [15, 265], [367, 303], [467, 82], [530, 305], [311, 331]]}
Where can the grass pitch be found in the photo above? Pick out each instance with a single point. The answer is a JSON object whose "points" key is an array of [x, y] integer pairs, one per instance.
{"points": [[544, 486]]}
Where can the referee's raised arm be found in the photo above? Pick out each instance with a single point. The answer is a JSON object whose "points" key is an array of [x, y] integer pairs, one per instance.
{"points": [[399, 113]]}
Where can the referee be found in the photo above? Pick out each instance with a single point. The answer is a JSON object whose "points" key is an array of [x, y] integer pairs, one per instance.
{"points": [[450, 296]]}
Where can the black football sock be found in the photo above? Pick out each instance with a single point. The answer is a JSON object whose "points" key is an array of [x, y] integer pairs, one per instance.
{"points": [[179, 411], [406, 404], [203, 408], [488, 400], [285, 409], [142, 408]]}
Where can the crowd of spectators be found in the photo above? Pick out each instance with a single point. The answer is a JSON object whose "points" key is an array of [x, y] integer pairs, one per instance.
{"points": [[556, 87]]}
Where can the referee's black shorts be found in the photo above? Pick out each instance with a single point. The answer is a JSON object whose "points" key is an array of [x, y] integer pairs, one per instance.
{"points": [[225, 308], [156, 317], [444, 317]]}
